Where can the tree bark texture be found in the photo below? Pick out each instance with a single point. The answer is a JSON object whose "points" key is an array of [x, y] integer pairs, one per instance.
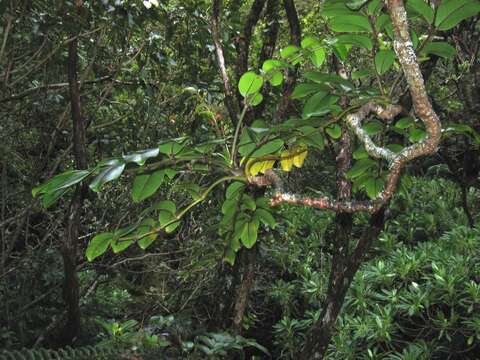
{"points": [[70, 246]]}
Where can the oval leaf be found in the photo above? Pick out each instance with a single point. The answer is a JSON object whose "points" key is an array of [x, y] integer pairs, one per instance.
{"points": [[146, 185], [384, 60], [98, 245], [250, 83]]}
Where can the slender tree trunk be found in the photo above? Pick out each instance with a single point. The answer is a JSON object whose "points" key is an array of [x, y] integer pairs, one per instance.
{"points": [[70, 245], [243, 290], [340, 280], [344, 264]]}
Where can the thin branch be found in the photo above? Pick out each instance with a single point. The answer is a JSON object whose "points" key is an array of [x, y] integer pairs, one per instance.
{"points": [[50, 87], [230, 103], [291, 78], [5, 36]]}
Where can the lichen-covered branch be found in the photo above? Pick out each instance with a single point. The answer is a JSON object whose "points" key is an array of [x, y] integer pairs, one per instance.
{"points": [[423, 109], [355, 121]]}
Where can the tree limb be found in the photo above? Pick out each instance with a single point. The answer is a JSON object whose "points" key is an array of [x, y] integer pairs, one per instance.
{"points": [[423, 109], [291, 78], [232, 106]]}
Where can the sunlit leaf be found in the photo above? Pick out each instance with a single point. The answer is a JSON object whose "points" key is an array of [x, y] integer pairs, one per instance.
{"points": [[250, 233], [250, 83], [61, 181], [98, 245]]}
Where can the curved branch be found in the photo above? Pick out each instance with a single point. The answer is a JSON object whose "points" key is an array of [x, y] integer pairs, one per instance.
{"points": [[355, 121], [423, 108]]}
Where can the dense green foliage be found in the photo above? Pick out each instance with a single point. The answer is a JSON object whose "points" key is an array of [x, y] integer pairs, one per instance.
{"points": [[147, 237]]}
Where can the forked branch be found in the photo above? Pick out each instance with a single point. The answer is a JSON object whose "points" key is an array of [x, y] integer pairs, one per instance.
{"points": [[406, 55]]}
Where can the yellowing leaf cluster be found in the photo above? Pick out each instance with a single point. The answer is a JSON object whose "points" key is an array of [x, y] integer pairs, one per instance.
{"points": [[288, 158], [291, 157]]}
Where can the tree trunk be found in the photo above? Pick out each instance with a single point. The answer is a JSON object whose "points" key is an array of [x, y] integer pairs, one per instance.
{"points": [[243, 290], [340, 279], [70, 245]]}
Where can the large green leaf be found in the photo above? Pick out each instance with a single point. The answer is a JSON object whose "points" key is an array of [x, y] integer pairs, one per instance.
{"points": [[404, 123], [61, 181], [384, 60], [360, 167], [250, 233], [373, 127], [98, 245], [451, 12], [316, 51], [350, 23], [248, 203], [172, 147], [229, 206], [329, 79], [266, 217], [382, 22], [269, 148], [289, 51], [51, 197], [250, 83], [334, 131], [145, 185], [143, 229], [317, 57], [303, 90], [416, 134], [166, 205], [318, 105], [314, 105], [275, 78], [422, 8], [341, 51], [360, 153], [311, 137], [167, 214], [374, 6], [358, 40], [234, 189], [270, 64], [373, 186], [310, 42], [140, 157], [356, 4], [440, 48], [335, 8], [119, 244], [109, 173]]}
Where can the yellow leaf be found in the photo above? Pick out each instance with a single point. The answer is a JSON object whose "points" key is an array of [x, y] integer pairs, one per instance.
{"points": [[260, 167], [287, 161], [299, 158], [267, 165]]}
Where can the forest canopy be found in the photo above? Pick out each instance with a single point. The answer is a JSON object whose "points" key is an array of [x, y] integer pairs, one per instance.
{"points": [[208, 179]]}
